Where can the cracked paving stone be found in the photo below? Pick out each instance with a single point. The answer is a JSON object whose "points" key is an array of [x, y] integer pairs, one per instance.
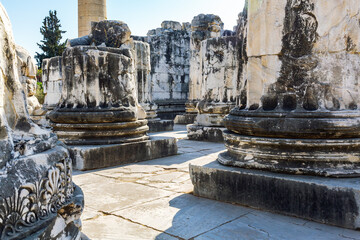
{"points": [[114, 196], [183, 215], [259, 225], [110, 227]]}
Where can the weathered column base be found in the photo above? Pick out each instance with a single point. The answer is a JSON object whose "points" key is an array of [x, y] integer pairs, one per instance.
{"points": [[325, 200], [188, 118], [203, 133], [322, 157], [158, 125], [102, 156]]}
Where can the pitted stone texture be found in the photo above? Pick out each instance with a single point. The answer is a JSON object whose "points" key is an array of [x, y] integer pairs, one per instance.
{"points": [[221, 79], [203, 27], [201, 133], [170, 63], [35, 169], [301, 84], [171, 25], [27, 71], [99, 101], [52, 81], [141, 58], [323, 50], [112, 33]]}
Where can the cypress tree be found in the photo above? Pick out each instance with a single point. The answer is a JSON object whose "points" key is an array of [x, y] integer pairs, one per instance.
{"points": [[50, 45]]}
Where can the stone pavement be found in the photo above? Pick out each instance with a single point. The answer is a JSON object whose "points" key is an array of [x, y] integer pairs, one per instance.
{"points": [[153, 200]]}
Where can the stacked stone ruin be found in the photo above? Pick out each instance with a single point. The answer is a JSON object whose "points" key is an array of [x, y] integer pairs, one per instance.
{"points": [[99, 115], [216, 81], [38, 199], [293, 139], [170, 66]]}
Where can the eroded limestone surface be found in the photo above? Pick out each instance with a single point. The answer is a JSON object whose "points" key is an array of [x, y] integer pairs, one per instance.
{"points": [[302, 84], [36, 188], [202, 27], [170, 63]]}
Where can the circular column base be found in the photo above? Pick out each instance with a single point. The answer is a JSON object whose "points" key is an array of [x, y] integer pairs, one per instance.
{"points": [[321, 157]]}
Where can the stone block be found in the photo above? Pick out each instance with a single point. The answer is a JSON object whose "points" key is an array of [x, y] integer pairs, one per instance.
{"points": [[158, 125], [95, 157], [202, 133], [331, 201], [185, 119]]}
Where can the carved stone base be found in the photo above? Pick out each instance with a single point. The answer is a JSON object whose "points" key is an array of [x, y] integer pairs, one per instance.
{"points": [[325, 200], [67, 223], [185, 119], [157, 125], [95, 157], [202, 133], [323, 157]]}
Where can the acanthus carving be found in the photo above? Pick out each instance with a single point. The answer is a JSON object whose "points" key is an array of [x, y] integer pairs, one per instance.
{"points": [[34, 203]]}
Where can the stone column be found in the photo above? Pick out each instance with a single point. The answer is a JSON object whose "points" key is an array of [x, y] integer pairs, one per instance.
{"points": [[52, 81], [99, 115], [99, 102], [141, 53], [299, 119], [170, 61], [202, 27], [220, 84], [90, 11], [302, 92]]}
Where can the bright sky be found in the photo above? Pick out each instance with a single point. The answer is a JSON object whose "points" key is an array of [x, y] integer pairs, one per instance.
{"points": [[141, 15]]}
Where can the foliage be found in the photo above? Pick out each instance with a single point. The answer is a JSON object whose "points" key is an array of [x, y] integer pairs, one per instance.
{"points": [[40, 95], [50, 45], [39, 75]]}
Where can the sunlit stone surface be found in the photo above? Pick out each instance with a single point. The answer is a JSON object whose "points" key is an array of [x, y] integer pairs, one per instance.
{"points": [[37, 196], [297, 117]]}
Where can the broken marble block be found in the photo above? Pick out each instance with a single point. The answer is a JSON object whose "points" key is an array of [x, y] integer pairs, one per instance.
{"points": [[141, 57], [27, 71], [170, 62], [52, 81], [99, 109], [294, 137], [38, 199], [112, 33], [220, 86], [202, 27]]}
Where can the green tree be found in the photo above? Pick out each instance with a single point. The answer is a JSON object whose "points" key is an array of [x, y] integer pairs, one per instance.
{"points": [[50, 45]]}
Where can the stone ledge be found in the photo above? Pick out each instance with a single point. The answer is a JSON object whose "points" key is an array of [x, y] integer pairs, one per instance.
{"points": [[185, 119], [325, 200], [202, 133], [160, 125], [95, 157]]}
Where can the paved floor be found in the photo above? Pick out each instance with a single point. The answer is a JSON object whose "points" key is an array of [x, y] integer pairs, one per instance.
{"points": [[153, 200]]}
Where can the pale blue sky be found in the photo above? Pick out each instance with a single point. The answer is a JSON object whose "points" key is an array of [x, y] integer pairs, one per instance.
{"points": [[141, 15]]}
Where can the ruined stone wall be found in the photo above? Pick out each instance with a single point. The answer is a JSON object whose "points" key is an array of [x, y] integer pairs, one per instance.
{"points": [[170, 63]]}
